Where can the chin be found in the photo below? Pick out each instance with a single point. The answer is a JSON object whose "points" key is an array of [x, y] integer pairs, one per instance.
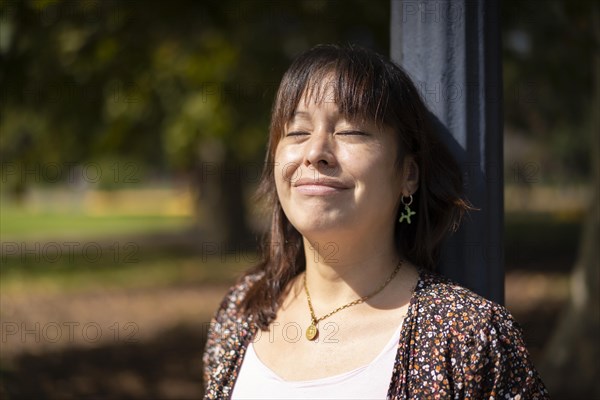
{"points": [[317, 229]]}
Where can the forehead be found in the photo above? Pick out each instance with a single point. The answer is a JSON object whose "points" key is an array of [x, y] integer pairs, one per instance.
{"points": [[358, 94], [323, 98]]}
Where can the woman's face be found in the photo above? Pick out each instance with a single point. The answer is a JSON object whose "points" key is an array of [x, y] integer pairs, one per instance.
{"points": [[336, 175]]}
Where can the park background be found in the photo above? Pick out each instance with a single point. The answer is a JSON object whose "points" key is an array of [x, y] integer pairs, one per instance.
{"points": [[132, 139]]}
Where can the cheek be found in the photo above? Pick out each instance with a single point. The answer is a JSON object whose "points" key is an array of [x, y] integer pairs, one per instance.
{"points": [[286, 167], [382, 179], [282, 175]]}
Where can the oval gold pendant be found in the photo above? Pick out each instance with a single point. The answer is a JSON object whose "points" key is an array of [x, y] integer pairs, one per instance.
{"points": [[311, 332]]}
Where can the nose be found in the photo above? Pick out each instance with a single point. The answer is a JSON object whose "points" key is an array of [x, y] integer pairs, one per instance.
{"points": [[320, 151]]}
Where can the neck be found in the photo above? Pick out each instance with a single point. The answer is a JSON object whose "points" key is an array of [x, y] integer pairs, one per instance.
{"points": [[342, 271]]}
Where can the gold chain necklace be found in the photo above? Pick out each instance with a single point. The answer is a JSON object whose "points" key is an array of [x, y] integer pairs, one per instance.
{"points": [[312, 331]]}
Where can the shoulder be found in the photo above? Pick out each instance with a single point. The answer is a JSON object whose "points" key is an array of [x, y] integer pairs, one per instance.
{"points": [[228, 326], [476, 341], [464, 321], [456, 308], [229, 307], [227, 335], [237, 292]]}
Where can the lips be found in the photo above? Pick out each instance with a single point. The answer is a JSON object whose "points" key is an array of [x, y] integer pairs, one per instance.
{"points": [[320, 186]]}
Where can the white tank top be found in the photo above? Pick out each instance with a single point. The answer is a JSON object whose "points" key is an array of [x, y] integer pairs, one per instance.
{"points": [[371, 381]]}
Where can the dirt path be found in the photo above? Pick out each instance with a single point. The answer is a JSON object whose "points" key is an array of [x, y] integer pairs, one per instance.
{"points": [[40, 323], [148, 343]]}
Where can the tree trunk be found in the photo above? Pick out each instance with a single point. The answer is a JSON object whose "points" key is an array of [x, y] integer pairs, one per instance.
{"points": [[221, 208]]}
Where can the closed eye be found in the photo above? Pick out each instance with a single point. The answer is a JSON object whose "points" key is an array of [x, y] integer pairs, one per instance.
{"points": [[352, 132], [296, 133]]}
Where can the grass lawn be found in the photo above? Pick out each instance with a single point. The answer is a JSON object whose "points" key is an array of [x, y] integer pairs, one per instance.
{"points": [[150, 270], [532, 241], [75, 252], [20, 225]]}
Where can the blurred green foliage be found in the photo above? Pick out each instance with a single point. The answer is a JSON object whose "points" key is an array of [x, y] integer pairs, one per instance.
{"points": [[548, 49], [169, 87], [157, 81], [172, 83]]}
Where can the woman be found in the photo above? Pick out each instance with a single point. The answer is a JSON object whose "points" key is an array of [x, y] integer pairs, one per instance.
{"points": [[342, 305]]}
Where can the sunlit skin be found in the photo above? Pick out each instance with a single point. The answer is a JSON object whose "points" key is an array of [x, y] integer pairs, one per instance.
{"points": [[339, 184], [337, 174]]}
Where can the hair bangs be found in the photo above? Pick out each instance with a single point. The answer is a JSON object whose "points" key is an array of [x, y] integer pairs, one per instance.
{"points": [[356, 84], [359, 91]]}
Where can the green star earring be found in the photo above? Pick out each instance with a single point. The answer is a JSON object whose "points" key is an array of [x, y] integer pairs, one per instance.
{"points": [[407, 213]]}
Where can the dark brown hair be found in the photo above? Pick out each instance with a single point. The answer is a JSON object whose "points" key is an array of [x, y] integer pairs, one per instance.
{"points": [[365, 85]]}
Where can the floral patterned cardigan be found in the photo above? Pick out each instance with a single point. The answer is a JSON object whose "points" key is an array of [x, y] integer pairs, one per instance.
{"points": [[454, 344]]}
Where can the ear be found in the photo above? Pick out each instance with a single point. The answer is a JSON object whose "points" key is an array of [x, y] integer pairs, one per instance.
{"points": [[410, 176]]}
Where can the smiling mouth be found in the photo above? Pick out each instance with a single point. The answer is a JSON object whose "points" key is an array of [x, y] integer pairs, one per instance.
{"points": [[319, 187], [318, 190]]}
